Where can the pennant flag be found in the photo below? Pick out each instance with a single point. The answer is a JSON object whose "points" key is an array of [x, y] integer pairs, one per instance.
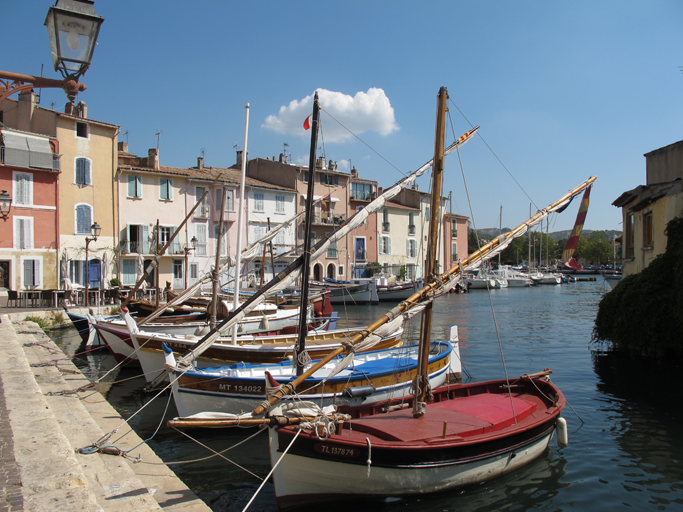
{"points": [[573, 240], [307, 122]]}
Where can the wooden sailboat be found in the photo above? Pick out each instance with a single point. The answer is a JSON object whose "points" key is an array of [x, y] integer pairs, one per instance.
{"points": [[451, 436]]}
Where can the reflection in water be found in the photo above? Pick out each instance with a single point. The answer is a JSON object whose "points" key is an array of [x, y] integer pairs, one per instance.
{"points": [[646, 409], [627, 455]]}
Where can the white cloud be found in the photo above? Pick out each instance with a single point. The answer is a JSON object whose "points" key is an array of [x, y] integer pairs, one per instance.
{"points": [[365, 112]]}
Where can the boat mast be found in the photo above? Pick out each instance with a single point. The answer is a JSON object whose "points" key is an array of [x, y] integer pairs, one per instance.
{"points": [[308, 219], [422, 379], [217, 265], [238, 250]]}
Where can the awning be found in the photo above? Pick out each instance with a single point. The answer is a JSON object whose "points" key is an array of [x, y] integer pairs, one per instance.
{"points": [[23, 150], [316, 198]]}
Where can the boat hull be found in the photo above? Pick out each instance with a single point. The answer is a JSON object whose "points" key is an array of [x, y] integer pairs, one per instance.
{"points": [[395, 293], [390, 372], [470, 434]]}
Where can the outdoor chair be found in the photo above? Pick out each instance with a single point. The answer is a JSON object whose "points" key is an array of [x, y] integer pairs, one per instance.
{"points": [[13, 296]]}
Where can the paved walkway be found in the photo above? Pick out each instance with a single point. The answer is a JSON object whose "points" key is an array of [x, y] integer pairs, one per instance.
{"points": [[40, 434]]}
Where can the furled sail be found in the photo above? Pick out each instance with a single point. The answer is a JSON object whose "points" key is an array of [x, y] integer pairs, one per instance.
{"points": [[573, 241]]}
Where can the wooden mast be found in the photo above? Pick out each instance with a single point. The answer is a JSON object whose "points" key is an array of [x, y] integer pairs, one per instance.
{"points": [[305, 270], [421, 382]]}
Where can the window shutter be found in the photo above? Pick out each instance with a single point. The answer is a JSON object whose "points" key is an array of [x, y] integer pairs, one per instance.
{"points": [[388, 245], [28, 273], [86, 171], [79, 171], [408, 249], [36, 272], [336, 179], [145, 239], [28, 233]]}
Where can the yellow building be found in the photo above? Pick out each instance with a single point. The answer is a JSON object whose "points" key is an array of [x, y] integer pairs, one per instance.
{"points": [[647, 209]]}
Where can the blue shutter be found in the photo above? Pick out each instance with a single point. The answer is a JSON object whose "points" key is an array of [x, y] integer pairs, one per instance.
{"points": [[80, 171], [86, 172], [81, 221]]}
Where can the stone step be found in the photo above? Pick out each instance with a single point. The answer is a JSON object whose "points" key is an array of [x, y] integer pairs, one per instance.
{"points": [[49, 429]]}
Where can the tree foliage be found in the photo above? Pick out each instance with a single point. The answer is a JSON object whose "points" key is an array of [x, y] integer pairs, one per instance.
{"points": [[644, 312]]}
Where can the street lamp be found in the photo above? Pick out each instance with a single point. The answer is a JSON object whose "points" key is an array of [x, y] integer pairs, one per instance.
{"points": [[73, 27], [5, 204], [194, 243], [95, 230]]}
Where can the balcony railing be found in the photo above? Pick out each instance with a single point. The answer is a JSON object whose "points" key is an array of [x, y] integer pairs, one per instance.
{"points": [[411, 229], [29, 159], [325, 219], [227, 216], [331, 252], [202, 212], [361, 255], [137, 247], [386, 227]]}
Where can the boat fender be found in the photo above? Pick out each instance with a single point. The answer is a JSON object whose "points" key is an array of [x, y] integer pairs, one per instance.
{"points": [[359, 391], [202, 331], [266, 323], [562, 433]]}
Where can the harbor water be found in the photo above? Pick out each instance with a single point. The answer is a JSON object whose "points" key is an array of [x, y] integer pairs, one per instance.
{"points": [[625, 417]]}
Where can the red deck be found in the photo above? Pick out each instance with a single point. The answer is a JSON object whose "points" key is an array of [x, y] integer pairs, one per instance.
{"points": [[464, 417]]}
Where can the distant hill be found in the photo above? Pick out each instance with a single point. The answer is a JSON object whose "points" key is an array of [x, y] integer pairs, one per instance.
{"points": [[491, 233]]}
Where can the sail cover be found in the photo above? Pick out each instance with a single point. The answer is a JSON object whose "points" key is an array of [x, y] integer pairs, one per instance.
{"points": [[573, 240]]}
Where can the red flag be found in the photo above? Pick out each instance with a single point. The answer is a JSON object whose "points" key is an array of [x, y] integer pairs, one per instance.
{"points": [[307, 122], [573, 240]]}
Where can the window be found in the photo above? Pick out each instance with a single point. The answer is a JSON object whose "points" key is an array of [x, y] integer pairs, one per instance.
{"points": [[259, 231], [82, 130], [194, 271], [202, 210], [385, 245], [305, 177], [329, 179], [134, 186], [411, 249], [411, 223], [177, 270], [200, 231], [258, 202], [165, 234], [230, 196], [83, 171], [454, 228], [31, 273], [629, 237], [138, 236], [340, 271], [361, 191], [648, 233], [385, 220], [128, 272], [454, 251], [219, 200], [83, 219], [166, 189], [23, 188], [279, 204], [332, 250], [23, 232], [77, 272]]}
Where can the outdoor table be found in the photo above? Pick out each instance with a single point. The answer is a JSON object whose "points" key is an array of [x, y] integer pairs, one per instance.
{"points": [[25, 295]]}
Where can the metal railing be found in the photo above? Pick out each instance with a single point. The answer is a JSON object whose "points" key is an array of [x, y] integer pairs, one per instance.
{"points": [[29, 159], [411, 229], [386, 227]]}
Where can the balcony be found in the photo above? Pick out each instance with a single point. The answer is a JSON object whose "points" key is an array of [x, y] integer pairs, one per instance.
{"points": [[137, 247], [361, 255], [227, 216], [29, 159], [411, 229], [331, 252], [386, 227], [326, 219], [202, 212]]}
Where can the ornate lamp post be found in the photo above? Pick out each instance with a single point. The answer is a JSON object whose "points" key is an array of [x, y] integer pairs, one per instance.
{"points": [[95, 230], [73, 27], [194, 243], [5, 204]]}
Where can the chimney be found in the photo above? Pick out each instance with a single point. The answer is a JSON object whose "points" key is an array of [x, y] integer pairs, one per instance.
{"points": [[320, 164], [282, 158], [69, 108], [82, 110], [354, 172], [26, 107], [239, 158], [123, 146], [153, 158], [200, 162]]}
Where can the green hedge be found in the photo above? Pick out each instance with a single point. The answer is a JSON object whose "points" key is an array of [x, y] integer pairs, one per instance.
{"points": [[644, 313]]}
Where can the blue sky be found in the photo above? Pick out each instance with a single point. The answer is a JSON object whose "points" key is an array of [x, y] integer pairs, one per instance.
{"points": [[562, 90]]}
